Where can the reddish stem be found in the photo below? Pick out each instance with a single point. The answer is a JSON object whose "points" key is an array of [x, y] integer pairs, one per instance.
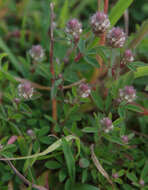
{"points": [[102, 69], [106, 2], [54, 102]]}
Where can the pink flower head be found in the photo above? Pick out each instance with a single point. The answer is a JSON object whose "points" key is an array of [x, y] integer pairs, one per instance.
{"points": [[99, 23], [106, 124], [116, 37]]}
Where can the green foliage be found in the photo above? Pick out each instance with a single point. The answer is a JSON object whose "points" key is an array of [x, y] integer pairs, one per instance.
{"points": [[56, 154]]}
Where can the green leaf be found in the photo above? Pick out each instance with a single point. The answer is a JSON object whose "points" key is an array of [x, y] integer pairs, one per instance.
{"points": [[139, 35], [64, 14], [2, 55], [141, 71], [118, 10], [134, 108], [91, 61], [84, 187], [90, 130], [12, 58], [132, 177], [70, 162], [62, 175], [81, 45], [43, 131], [144, 172], [53, 165], [97, 100]]}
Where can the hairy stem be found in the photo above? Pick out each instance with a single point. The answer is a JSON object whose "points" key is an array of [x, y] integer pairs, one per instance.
{"points": [[100, 70], [54, 102]]}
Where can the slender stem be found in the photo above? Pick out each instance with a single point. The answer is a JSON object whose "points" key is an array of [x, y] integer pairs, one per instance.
{"points": [[54, 102], [99, 71], [26, 181]]}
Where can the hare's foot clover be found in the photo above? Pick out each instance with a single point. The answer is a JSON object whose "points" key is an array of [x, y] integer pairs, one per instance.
{"points": [[116, 37], [37, 52], [25, 90], [99, 23], [74, 28], [84, 90], [106, 124], [127, 94]]}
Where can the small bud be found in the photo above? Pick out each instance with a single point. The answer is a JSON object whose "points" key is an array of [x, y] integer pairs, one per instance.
{"points": [[116, 37], [84, 90], [84, 163], [125, 139], [141, 182], [74, 28], [99, 23], [115, 175], [127, 57], [31, 133], [37, 52], [17, 100], [128, 94], [106, 124], [25, 90]]}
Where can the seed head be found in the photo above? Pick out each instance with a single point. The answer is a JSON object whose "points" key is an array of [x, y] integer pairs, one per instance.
{"points": [[74, 28], [25, 90], [84, 90], [116, 37], [99, 23], [37, 52], [107, 124], [128, 94]]}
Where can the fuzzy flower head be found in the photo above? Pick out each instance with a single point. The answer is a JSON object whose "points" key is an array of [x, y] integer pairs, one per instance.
{"points": [[37, 52], [99, 23], [106, 124], [127, 57], [128, 94], [116, 37], [74, 28], [25, 90], [84, 90]]}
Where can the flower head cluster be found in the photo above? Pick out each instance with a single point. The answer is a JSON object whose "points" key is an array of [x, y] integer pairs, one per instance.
{"points": [[106, 124], [127, 57], [116, 37], [84, 90], [25, 90], [99, 23], [74, 28], [37, 52], [128, 94]]}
